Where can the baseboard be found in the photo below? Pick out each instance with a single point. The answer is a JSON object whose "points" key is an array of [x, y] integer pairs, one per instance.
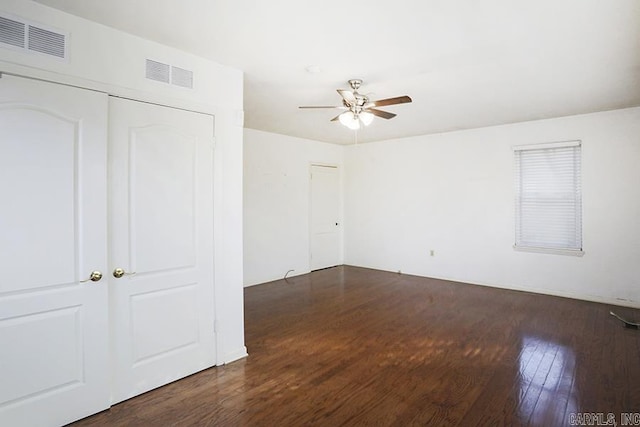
{"points": [[233, 356], [294, 273], [572, 295], [542, 291]]}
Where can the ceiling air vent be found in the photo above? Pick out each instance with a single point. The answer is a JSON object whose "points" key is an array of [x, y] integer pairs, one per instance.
{"points": [[158, 71], [12, 32], [30, 37], [181, 77]]}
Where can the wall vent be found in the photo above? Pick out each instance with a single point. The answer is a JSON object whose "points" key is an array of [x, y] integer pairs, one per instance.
{"points": [[166, 73], [12, 32], [182, 77], [158, 71], [31, 37], [47, 42]]}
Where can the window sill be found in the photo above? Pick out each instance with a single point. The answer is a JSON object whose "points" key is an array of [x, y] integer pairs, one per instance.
{"points": [[552, 251]]}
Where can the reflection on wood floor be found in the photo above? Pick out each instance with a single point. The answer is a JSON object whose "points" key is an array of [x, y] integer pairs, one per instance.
{"points": [[353, 346]]}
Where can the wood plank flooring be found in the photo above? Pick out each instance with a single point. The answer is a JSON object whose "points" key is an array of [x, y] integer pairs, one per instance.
{"points": [[352, 346]]}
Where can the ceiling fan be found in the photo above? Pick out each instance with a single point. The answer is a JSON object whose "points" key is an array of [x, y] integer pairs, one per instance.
{"points": [[359, 108]]}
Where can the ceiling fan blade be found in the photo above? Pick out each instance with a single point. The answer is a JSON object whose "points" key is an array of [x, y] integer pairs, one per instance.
{"points": [[336, 118], [391, 101], [380, 113], [321, 106], [347, 95]]}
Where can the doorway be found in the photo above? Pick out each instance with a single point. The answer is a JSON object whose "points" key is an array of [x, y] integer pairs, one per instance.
{"points": [[325, 235]]}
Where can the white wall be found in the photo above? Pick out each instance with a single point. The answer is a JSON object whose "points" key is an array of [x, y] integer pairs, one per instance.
{"points": [[106, 59], [111, 61], [276, 202], [453, 193]]}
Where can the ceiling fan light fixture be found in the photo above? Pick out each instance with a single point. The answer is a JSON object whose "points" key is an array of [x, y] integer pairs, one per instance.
{"points": [[349, 120], [366, 118]]}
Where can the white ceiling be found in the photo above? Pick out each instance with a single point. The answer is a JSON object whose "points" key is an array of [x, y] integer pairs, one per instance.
{"points": [[465, 63]]}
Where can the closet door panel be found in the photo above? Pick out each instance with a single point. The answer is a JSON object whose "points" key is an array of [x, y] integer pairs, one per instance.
{"points": [[53, 319], [161, 210]]}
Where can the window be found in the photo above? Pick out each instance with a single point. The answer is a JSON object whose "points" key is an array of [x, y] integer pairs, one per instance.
{"points": [[549, 198]]}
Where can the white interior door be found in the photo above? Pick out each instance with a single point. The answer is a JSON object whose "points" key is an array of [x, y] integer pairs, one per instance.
{"points": [[161, 235], [53, 326], [325, 214]]}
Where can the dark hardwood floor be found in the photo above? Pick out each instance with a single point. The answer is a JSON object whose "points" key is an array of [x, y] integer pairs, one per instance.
{"points": [[352, 346]]}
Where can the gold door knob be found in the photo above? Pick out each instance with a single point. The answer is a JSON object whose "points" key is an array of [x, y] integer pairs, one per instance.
{"points": [[119, 272], [95, 276]]}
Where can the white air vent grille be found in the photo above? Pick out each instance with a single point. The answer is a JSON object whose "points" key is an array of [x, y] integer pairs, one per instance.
{"points": [[182, 77], [47, 42], [12, 32], [158, 71], [167, 73], [29, 37]]}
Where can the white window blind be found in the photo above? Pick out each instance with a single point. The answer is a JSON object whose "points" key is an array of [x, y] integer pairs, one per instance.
{"points": [[549, 197]]}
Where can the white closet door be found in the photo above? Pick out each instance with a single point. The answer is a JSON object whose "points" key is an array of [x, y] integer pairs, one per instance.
{"points": [[161, 235], [53, 324]]}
